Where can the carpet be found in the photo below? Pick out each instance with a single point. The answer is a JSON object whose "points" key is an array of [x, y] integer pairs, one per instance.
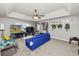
{"points": [[53, 47]]}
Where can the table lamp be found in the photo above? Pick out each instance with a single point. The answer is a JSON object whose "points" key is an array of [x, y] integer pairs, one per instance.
{"points": [[2, 28]]}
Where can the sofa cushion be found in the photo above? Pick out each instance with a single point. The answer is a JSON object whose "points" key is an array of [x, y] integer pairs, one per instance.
{"points": [[31, 43]]}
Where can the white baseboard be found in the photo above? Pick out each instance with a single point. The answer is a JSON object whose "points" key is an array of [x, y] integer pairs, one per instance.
{"points": [[63, 39]]}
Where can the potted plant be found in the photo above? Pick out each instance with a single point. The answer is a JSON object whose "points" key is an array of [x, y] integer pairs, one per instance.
{"points": [[54, 26], [59, 25], [67, 27]]}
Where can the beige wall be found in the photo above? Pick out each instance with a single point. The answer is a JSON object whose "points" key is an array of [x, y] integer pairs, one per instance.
{"points": [[58, 33], [62, 34]]}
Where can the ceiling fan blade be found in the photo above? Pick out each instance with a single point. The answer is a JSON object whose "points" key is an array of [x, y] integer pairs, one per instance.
{"points": [[41, 15]]}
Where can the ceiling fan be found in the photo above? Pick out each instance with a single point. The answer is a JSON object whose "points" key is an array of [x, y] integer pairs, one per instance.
{"points": [[36, 15]]}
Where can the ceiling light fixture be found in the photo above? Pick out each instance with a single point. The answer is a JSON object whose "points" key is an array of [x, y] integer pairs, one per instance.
{"points": [[36, 15]]}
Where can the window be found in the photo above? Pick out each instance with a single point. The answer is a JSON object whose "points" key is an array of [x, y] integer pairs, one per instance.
{"points": [[38, 27]]}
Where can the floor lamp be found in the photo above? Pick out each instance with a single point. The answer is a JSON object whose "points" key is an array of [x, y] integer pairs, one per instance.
{"points": [[2, 29]]}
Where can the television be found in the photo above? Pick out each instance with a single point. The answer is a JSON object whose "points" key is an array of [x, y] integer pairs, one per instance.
{"points": [[30, 30]]}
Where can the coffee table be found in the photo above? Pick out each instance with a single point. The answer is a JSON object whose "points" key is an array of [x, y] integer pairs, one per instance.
{"points": [[9, 50]]}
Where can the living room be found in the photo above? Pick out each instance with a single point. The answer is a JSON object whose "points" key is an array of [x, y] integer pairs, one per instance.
{"points": [[27, 26]]}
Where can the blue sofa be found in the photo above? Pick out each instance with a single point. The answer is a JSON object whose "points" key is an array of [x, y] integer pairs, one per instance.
{"points": [[36, 41]]}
